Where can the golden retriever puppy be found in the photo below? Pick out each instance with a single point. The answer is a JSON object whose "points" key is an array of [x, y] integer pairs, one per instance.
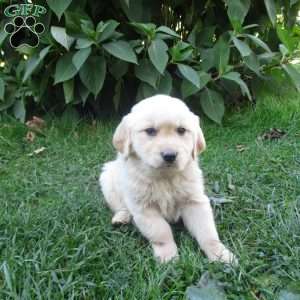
{"points": [[156, 178]]}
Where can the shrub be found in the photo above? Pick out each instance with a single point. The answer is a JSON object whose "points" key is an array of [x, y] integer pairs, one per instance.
{"points": [[97, 54]]}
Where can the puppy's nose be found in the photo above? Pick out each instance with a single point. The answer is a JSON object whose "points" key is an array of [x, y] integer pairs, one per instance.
{"points": [[169, 156]]}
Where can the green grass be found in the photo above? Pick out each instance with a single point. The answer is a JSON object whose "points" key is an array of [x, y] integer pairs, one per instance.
{"points": [[56, 241]]}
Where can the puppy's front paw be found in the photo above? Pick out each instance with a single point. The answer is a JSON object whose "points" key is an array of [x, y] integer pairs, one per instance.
{"points": [[121, 217], [165, 252], [218, 252]]}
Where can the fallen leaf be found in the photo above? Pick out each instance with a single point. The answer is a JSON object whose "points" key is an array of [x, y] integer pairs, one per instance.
{"points": [[30, 136], [288, 295], [37, 151], [270, 210], [36, 123], [219, 200], [206, 289], [216, 187], [230, 184], [273, 134], [241, 148]]}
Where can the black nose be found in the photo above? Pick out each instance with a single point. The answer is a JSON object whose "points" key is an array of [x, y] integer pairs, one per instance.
{"points": [[169, 156]]}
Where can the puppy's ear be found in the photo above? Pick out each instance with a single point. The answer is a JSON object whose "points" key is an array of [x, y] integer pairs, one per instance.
{"points": [[121, 138], [199, 140]]}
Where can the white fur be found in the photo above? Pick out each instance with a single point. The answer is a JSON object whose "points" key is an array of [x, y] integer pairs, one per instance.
{"points": [[139, 184]]}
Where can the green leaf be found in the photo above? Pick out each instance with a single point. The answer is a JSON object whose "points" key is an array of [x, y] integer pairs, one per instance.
{"points": [[267, 57], [10, 97], [207, 58], [271, 9], [190, 74], [3, 36], [117, 95], [83, 93], [294, 75], [74, 21], [107, 30], [292, 2], [80, 57], [146, 72], [237, 11], [2, 89], [252, 63], [222, 53], [258, 42], [65, 69], [165, 84], [92, 74], [241, 46], [181, 51], [145, 91], [121, 50], [118, 68], [137, 11], [168, 31], [87, 26], [34, 61], [283, 49], [189, 89], [286, 38], [212, 104], [158, 55], [68, 87], [193, 37], [83, 43], [19, 110], [147, 29], [206, 38], [60, 35], [236, 77], [58, 6]]}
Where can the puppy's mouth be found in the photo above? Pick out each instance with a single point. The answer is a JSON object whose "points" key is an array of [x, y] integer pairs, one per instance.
{"points": [[164, 166], [169, 165]]}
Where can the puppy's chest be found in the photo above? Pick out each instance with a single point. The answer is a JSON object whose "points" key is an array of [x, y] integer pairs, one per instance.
{"points": [[166, 196]]}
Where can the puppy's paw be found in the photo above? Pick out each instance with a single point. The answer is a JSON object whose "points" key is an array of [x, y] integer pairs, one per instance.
{"points": [[220, 253], [165, 252], [121, 217]]}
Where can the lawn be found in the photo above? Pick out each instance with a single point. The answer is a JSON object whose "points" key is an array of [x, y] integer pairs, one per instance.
{"points": [[57, 242]]}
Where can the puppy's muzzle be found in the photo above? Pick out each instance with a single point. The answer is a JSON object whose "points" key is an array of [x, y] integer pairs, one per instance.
{"points": [[169, 156]]}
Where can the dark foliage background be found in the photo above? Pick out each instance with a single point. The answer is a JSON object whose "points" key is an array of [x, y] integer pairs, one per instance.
{"points": [[101, 56]]}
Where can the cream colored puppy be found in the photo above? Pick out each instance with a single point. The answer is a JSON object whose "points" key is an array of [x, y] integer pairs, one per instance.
{"points": [[156, 178]]}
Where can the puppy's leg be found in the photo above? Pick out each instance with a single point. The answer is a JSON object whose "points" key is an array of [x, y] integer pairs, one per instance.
{"points": [[156, 229], [199, 220], [112, 194]]}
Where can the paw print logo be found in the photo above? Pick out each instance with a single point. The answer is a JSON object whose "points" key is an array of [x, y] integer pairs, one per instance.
{"points": [[24, 31]]}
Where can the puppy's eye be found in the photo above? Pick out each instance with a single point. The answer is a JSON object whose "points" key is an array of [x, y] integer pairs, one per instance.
{"points": [[151, 131], [181, 130]]}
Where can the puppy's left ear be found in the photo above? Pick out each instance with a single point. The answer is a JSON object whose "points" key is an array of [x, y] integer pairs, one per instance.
{"points": [[121, 138], [199, 140]]}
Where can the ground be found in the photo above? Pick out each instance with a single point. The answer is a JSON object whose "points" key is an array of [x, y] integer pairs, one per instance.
{"points": [[56, 240]]}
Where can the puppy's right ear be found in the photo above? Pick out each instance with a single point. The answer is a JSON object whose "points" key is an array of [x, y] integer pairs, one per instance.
{"points": [[121, 138], [199, 142]]}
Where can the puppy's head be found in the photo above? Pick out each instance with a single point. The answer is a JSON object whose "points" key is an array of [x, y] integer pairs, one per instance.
{"points": [[161, 132]]}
